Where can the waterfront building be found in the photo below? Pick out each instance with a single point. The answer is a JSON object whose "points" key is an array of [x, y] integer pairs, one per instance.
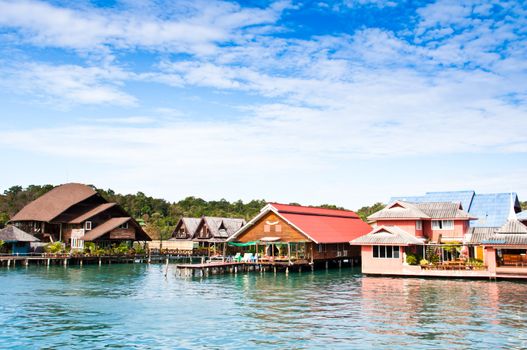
{"points": [[74, 213], [207, 232], [404, 233], [402, 229], [17, 241], [297, 234], [491, 209]]}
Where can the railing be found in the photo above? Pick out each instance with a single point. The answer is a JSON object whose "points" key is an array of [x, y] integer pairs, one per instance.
{"points": [[453, 265]]}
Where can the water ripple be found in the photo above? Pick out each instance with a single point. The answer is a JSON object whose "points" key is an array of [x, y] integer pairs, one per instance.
{"points": [[136, 307]]}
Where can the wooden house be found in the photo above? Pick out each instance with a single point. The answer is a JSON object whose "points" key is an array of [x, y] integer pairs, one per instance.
{"points": [[293, 233], [74, 213], [186, 228]]}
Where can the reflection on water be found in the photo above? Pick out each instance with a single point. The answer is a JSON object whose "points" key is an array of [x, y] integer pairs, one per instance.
{"points": [[135, 306]]}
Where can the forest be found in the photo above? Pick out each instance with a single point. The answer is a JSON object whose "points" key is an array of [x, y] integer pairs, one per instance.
{"points": [[158, 215]]}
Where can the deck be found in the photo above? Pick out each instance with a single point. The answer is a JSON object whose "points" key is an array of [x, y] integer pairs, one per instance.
{"points": [[417, 271]]}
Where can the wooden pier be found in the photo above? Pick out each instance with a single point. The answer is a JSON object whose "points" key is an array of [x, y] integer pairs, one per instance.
{"points": [[216, 268], [73, 260]]}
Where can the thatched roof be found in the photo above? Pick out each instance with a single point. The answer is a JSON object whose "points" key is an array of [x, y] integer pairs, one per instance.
{"points": [[11, 233], [55, 202], [104, 228], [91, 213]]}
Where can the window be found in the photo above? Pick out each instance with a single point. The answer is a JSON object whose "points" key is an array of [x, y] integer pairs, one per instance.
{"points": [[87, 225], [419, 225], [278, 228], [386, 252], [123, 226], [267, 228], [442, 225], [77, 243]]}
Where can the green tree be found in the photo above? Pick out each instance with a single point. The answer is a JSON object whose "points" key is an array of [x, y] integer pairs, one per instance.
{"points": [[364, 212]]}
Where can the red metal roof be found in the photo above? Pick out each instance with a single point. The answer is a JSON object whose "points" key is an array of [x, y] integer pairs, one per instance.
{"points": [[324, 225], [287, 208]]}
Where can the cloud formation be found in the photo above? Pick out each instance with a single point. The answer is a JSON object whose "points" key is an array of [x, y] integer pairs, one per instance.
{"points": [[451, 81]]}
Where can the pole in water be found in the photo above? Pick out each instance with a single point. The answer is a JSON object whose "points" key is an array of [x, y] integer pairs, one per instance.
{"points": [[166, 270]]}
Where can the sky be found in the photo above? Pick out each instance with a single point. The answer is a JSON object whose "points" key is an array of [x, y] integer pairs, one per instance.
{"points": [[347, 102]]}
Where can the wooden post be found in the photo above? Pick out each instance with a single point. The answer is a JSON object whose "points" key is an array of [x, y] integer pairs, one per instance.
{"points": [[287, 271], [26, 262], [289, 252], [49, 261], [327, 264], [80, 262], [65, 262], [340, 264], [100, 261], [8, 263]]}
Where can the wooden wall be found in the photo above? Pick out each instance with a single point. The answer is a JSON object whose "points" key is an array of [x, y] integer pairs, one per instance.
{"points": [[257, 231]]}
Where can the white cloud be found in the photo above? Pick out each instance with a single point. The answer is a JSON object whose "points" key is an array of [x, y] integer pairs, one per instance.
{"points": [[67, 84], [185, 26]]}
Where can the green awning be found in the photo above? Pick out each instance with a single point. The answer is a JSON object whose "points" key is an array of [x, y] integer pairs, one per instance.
{"points": [[234, 244]]}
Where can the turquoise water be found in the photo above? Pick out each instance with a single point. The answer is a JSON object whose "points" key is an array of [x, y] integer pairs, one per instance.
{"points": [[135, 306]]}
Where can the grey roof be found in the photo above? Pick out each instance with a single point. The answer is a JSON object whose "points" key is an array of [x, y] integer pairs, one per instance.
{"points": [[512, 226], [387, 235], [425, 210], [11, 233], [522, 216], [512, 233], [491, 209], [232, 225], [399, 210], [191, 224], [443, 210], [506, 239], [480, 234], [222, 228]]}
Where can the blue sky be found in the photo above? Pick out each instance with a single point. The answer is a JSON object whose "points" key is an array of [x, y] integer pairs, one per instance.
{"points": [[347, 102]]}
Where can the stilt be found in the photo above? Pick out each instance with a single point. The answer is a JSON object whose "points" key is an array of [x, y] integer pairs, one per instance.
{"points": [[100, 261], [327, 265], [287, 271], [300, 269], [312, 267], [275, 270], [80, 262], [65, 262], [49, 261], [26, 262], [340, 264], [8, 263]]}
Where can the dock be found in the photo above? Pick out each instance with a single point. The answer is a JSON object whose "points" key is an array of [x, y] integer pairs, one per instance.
{"points": [[80, 260]]}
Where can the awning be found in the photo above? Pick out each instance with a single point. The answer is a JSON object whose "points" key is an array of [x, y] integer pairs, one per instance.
{"points": [[234, 244]]}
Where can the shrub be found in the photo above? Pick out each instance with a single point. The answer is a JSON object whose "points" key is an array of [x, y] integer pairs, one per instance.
{"points": [[54, 248], [423, 262], [411, 259], [90, 248]]}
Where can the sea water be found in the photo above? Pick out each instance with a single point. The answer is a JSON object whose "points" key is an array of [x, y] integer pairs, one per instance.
{"points": [[135, 306]]}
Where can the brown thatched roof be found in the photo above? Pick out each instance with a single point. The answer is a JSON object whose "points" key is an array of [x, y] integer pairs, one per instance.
{"points": [[11, 233], [112, 224], [54, 203], [91, 213]]}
